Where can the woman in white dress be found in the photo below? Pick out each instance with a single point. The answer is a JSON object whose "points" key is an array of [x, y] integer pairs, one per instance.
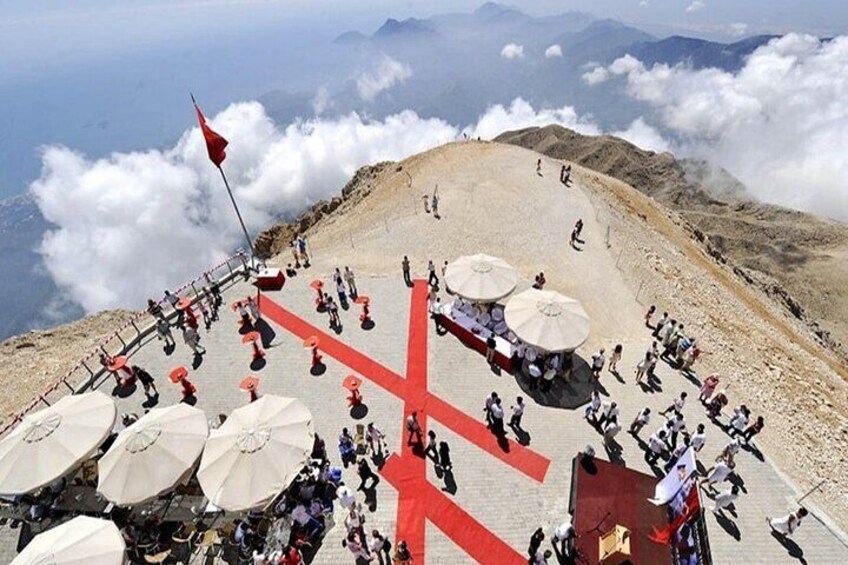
{"points": [[789, 524]]}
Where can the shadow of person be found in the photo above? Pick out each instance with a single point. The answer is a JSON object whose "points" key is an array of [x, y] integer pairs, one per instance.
{"points": [[266, 332], [370, 493], [124, 391], [368, 325], [318, 369], [450, 482], [189, 399], [359, 411], [614, 451], [503, 443], [245, 328], [169, 349], [379, 459], [196, 361], [150, 402], [569, 394], [728, 526], [690, 376], [618, 376], [337, 329], [258, 364], [521, 435], [793, 549], [754, 450]]}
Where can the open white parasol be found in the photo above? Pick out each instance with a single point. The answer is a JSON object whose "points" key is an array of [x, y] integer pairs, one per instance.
{"points": [[50, 443], [83, 540], [547, 320], [480, 278], [152, 455], [256, 453]]}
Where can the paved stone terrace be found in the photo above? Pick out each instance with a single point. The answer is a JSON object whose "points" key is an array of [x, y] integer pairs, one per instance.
{"points": [[491, 489]]}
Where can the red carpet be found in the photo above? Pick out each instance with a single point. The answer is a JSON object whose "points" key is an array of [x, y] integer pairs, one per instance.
{"points": [[417, 498]]}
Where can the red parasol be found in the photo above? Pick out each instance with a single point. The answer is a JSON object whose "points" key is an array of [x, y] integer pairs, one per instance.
{"points": [[317, 284], [178, 374], [310, 342], [362, 300], [183, 304], [249, 383], [250, 337], [352, 383]]}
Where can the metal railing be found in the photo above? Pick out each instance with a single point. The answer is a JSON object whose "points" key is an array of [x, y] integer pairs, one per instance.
{"points": [[88, 370]]}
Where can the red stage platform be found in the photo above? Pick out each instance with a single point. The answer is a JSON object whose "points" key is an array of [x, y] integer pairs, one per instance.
{"points": [[270, 279], [604, 495]]}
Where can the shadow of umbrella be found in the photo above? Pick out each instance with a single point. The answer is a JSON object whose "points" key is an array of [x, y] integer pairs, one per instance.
{"points": [[266, 332], [568, 395]]}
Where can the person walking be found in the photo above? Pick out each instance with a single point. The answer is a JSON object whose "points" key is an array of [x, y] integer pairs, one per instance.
{"points": [[163, 331], [426, 198], [563, 540], [754, 429], [253, 306], [192, 339], [539, 167], [579, 227], [431, 268], [718, 473], [341, 290], [366, 474], [708, 387], [609, 410], [616, 357], [728, 453], [491, 344], [656, 447], [333, 311], [787, 525], [598, 361], [739, 421], [593, 406], [350, 279], [642, 367], [154, 309], [649, 314], [699, 438], [642, 419], [677, 425], [374, 439], [611, 430], [664, 319], [204, 311], [487, 407], [402, 554], [517, 413], [414, 429], [435, 203], [677, 405], [405, 266], [725, 499]]}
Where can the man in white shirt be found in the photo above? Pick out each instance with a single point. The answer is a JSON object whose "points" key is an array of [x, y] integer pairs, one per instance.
{"points": [[656, 447], [593, 406], [725, 499], [611, 430], [608, 411], [497, 418], [598, 361], [677, 424], [562, 541], [517, 413], [698, 439], [677, 405], [718, 474]]}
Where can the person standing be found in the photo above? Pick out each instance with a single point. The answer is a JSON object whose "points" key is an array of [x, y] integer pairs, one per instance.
{"points": [[539, 167], [341, 291], [611, 430], [498, 418], [444, 456], [562, 541], [642, 367], [350, 279], [163, 331], [146, 380], [365, 474], [374, 438], [435, 203], [616, 357], [787, 525], [677, 405], [333, 310], [491, 344], [579, 227], [517, 413], [640, 421], [431, 268], [431, 450], [664, 319], [381, 547], [708, 387], [598, 361], [593, 406], [739, 421], [699, 438], [253, 306], [414, 429], [535, 542], [405, 266], [154, 309], [677, 425], [718, 473], [204, 311], [656, 447], [402, 554], [609, 410], [725, 499], [487, 407], [192, 339], [649, 314], [426, 198]]}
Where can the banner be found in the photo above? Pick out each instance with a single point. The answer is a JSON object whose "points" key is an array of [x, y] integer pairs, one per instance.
{"points": [[677, 483]]}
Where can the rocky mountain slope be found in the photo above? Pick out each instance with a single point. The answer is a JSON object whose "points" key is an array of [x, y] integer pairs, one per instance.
{"points": [[797, 259]]}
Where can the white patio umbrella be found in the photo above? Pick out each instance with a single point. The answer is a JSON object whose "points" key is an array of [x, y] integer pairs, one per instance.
{"points": [[547, 320], [256, 453], [49, 443], [152, 455], [81, 541], [481, 278]]}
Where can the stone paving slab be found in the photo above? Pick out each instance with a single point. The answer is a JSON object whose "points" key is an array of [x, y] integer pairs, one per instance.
{"points": [[508, 503]]}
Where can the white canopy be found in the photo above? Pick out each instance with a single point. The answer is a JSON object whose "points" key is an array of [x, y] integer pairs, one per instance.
{"points": [[152, 455], [256, 453], [481, 278], [81, 541], [49, 443], [547, 320]]}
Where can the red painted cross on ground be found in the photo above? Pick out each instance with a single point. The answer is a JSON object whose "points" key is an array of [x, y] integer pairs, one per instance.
{"points": [[418, 499]]}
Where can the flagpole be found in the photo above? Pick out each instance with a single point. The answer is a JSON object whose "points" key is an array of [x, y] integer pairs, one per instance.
{"points": [[235, 207]]}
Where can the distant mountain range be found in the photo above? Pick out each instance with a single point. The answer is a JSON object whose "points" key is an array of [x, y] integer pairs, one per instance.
{"points": [[457, 73]]}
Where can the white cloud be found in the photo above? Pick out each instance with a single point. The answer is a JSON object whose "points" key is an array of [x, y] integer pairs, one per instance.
{"points": [[133, 224], [643, 3], [778, 124], [322, 101], [386, 75], [738, 29], [595, 76], [512, 51], [695, 6], [553, 51], [641, 134]]}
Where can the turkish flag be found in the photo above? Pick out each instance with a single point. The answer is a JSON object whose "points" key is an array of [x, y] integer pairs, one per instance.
{"points": [[215, 144], [690, 510]]}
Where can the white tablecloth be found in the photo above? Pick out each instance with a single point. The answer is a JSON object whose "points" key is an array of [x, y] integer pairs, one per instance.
{"points": [[502, 345]]}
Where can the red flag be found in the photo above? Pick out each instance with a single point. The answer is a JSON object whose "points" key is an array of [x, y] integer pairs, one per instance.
{"points": [[215, 144], [691, 509]]}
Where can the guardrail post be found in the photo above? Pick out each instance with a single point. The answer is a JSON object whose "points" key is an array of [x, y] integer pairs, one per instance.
{"points": [[72, 388], [229, 267], [42, 399], [124, 343], [138, 331], [87, 368], [194, 288]]}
